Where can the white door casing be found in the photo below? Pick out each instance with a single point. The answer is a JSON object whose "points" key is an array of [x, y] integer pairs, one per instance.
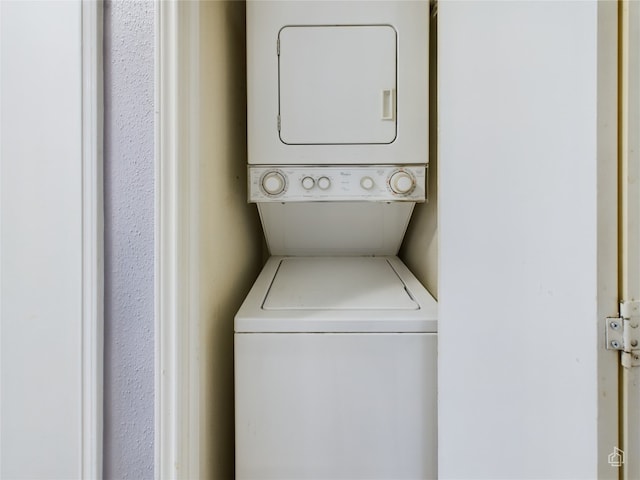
{"points": [[51, 239], [177, 413], [630, 222]]}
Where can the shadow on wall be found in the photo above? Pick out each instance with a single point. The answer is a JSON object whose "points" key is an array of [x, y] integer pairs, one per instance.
{"points": [[230, 236], [420, 247]]}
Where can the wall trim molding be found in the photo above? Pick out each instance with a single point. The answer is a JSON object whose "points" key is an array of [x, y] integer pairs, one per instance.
{"points": [[177, 412], [92, 239]]}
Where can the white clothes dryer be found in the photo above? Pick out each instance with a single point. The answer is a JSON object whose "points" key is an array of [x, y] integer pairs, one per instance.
{"points": [[335, 372]]}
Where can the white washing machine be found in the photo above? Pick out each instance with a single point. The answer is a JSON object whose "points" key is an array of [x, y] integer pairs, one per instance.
{"points": [[335, 367], [335, 345]]}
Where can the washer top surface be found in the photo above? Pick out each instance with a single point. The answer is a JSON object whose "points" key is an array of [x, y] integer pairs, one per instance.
{"points": [[349, 283], [337, 295]]}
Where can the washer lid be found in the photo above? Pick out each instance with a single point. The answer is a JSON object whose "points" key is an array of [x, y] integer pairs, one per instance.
{"points": [[348, 283]]}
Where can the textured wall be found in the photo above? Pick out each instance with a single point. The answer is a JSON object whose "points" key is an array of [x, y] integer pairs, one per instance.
{"points": [[129, 214]]}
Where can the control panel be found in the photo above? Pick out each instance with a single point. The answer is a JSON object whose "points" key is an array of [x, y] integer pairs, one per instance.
{"points": [[366, 183]]}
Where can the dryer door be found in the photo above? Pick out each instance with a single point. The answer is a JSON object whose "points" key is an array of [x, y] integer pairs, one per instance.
{"points": [[337, 84]]}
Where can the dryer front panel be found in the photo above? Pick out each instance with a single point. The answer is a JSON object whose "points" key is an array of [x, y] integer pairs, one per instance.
{"points": [[337, 82]]}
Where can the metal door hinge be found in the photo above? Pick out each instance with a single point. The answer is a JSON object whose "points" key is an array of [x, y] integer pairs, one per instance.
{"points": [[622, 333]]}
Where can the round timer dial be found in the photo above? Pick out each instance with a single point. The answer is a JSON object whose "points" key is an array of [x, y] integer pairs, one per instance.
{"points": [[273, 182], [401, 182]]}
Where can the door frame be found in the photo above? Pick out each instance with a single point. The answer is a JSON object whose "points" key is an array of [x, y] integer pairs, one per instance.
{"points": [[92, 239], [629, 212], [177, 411]]}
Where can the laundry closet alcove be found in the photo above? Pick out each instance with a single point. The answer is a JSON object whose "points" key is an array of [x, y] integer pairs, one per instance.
{"points": [[220, 250]]}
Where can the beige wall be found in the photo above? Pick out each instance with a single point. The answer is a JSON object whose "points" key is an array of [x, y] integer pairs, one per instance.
{"points": [[230, 237], [420, 247]]}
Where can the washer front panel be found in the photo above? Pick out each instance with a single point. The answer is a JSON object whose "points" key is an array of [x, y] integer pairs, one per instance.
{"points": [[336, 406]]}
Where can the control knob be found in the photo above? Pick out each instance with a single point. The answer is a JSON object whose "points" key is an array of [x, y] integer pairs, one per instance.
{"points": [[273, 182], [324, 183], [308, 183], [402, 182], [367, 183]]}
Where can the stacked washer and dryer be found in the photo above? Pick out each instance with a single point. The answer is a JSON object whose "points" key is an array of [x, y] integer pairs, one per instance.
{"points": [[335, 344]]}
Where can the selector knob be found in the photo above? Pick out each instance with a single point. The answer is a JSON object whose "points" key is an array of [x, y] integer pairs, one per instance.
{"points": [[308, 183], [273, 183], [402, 182], [324, 183], [366, 183]]}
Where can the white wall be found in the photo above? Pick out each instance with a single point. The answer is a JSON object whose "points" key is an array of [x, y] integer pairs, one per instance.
{"points": [[129, 223], [528, 262]]}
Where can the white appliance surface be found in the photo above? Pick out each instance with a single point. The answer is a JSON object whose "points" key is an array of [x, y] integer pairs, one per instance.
{"points": [[332, 89], [334, 228], [336, 406], [335, 210], [337, 284], [336, 372], [363, 183], [335, 350], [339, 295], [337, 82]]}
